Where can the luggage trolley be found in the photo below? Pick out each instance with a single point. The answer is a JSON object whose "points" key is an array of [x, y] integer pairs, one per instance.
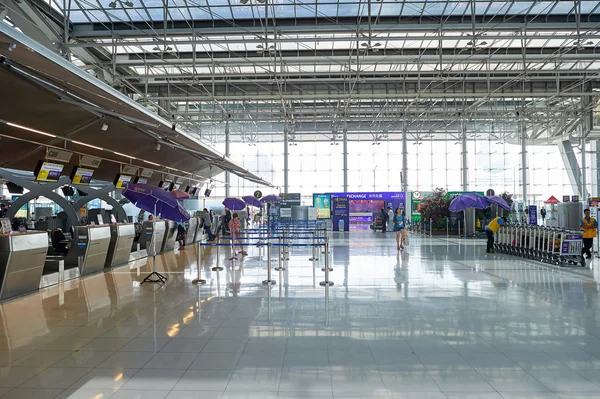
{"points": [[571, 243]]}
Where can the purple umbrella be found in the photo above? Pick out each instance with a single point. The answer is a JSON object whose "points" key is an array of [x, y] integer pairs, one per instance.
{"points": [[160, 203], [156, 201], [494, 199], [250, 200], [469, 200], [270, 198], [235, 204]]}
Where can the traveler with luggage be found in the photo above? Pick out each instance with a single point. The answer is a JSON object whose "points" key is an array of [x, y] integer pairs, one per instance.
{"points": [[588, 225], [399, 228], [384, 219]]}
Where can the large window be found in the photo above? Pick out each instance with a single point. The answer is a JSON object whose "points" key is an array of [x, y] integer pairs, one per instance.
{"points": [[317, 166]]}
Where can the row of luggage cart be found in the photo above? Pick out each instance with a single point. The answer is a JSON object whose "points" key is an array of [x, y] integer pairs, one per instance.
{"points": [[552, 245]]}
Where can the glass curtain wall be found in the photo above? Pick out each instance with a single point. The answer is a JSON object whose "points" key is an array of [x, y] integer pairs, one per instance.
{"points": [[317, 166]]}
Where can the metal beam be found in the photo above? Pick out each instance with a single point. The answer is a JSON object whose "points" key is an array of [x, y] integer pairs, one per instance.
{"points": [[571, 165]]}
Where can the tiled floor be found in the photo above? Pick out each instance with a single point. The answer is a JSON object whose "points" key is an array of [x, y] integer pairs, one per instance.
{"points": [[441, 320]]}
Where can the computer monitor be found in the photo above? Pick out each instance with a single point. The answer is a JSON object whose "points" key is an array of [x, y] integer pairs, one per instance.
{"points": [[207, 192], [121, 181], [48, 171], [82, 176]]}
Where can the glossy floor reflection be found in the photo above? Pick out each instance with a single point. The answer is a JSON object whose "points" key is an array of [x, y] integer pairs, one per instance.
{"points": [[441, 320]]}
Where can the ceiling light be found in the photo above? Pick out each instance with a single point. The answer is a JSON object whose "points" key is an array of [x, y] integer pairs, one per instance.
{"points": [[151, 163], [377, 44], [129, 3], [262, 1], [29, 129], [244, 1], [112, 4], [87, 145], [104, 127], [123, 155]]}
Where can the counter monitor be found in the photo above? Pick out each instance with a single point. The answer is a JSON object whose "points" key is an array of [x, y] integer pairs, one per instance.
{"points": [[48, 171], [82, 176], [121, 181]]}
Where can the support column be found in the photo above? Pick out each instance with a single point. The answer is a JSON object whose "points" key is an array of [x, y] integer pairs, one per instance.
{"points": [[595, 178], [227, 175], [583, 189], [571, 165], [345, 158], [404, 160], [465, 176], [286, 154], [523, 133]]}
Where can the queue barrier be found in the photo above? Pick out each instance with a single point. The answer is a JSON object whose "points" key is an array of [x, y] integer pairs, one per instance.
{"points": [[269, 245]]}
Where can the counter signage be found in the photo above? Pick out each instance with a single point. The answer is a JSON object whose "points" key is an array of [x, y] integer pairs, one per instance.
{"points": [[5, 226], [571, 244], [566, 198], [341, 213], [533, 215], [322, 204], [575, 198]]}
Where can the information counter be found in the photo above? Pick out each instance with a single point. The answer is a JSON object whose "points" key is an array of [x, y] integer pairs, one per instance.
{"points": [[190, 234], [170, 237]]}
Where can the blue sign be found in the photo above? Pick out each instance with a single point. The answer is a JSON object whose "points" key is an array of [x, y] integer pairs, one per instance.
{"points": [[341, 213], [533, 215]]}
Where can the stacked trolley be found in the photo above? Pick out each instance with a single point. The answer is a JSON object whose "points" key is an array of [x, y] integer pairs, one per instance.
{"points": [[552, 245]]}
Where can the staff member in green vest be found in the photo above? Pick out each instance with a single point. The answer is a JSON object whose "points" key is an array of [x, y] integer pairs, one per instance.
{"points": [[588, 225], [492, 228]]}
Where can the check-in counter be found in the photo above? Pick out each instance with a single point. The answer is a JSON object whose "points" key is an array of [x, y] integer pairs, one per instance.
{"points": [[190, 234], [153, 233], [170, 237], [92, 247], [121, 240], [22, 257]]}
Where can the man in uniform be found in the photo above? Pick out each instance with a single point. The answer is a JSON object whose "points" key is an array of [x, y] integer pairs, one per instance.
{"points": [[492, 228], [588, 225]]}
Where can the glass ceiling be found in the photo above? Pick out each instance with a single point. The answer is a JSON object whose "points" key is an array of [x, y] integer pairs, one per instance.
{"points": [[107, 11]]}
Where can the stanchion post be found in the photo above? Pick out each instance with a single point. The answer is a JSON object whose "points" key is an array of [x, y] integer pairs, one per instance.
{"points": [[447, 231], [217, 268], [198, 280], [314, 241], [280, 252], [459, 229], [326, 283], [269, 280], [430, 227]]}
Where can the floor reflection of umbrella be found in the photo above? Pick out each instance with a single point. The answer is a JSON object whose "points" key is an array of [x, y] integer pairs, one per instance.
{"points": [[250, 200], [160, 203], [235, 204]]}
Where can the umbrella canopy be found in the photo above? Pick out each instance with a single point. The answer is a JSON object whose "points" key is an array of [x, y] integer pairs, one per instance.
{"points": [[270, 198], [156, 201], [250, 200], [552, 200], [235, 204], [180, 195], [469, 200], [494, 199]]}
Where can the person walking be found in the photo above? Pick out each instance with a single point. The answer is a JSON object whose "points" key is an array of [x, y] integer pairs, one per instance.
{"points": [[588, 225], [235, 227], [384, 218], [399, 228], [543, 215], [492, 228], [207, 224]]}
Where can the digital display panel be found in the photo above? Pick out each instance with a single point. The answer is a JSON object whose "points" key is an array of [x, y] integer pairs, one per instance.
{"points": [[82, 176], [122, 181], [142, 180], [166, 185], [322, 203], [48, 172]]}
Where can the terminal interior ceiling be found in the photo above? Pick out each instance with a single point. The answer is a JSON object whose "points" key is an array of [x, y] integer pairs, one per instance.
{"points": [[313, 95]]}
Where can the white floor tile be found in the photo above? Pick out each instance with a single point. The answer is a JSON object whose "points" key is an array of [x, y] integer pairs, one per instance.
{"points": [[171, 361], [86, 394], [126, 360], [32, 393], [564, 381], [185, 345], [153, 380], [55, 377], [461, 381], [15, 376], [225, 345], [84, 359], [357, 381], [140, 394], [249, 380], [215, 361], [512, 381], [203, 380], [104, 379], [305, 380]]}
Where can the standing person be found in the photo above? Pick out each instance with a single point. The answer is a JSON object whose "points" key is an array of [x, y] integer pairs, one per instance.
{"points": [[235, 227], [390, 214], [206, 224], [226, 220], [3, 211], [399, 228], [181, 235], [384, 217], [588, 225], [543, 215], [492, 228]]}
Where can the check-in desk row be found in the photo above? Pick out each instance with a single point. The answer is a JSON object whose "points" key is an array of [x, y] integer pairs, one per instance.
{"points": [[25, 265]]}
